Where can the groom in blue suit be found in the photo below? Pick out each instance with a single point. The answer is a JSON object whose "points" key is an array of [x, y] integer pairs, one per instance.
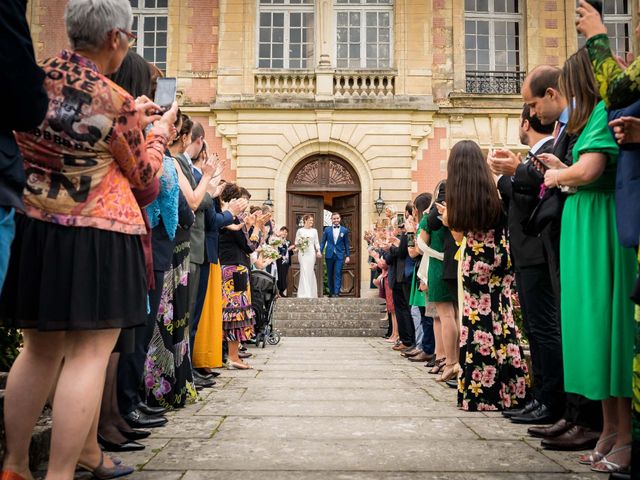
{"points": [[336, 239]]}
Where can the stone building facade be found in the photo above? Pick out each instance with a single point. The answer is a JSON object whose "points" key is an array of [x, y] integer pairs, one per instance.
{"points": [[326, 104]]}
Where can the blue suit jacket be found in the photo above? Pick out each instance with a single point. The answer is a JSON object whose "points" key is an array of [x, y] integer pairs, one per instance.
{"points": [[628, 184], [339, 249], [214, 220]]}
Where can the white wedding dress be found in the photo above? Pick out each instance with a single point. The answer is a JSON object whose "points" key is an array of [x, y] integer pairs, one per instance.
{"points": [[307, 285]]}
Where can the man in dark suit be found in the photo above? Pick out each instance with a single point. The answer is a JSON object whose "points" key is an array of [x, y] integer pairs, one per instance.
{"points": [[23, 108], [336, 239], [533, 279], [396, 258], [576, 429]]}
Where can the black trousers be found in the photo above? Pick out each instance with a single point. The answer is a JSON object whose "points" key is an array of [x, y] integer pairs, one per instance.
{"points": [[406, 329], [578, 409], [542, 327], [283, 271], [131, 365]]}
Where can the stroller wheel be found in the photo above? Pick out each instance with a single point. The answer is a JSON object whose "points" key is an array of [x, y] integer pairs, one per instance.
{"points": [[274, 338]]}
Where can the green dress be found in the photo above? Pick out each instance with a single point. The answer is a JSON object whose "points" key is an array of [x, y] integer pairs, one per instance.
{"points": [[596, 277], [438, 290], [418, 298]]}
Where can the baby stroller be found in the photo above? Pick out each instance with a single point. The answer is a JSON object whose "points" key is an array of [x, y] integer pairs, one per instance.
{"points": [[263, 299]]}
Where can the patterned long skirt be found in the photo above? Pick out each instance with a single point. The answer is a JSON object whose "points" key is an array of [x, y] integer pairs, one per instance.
{"points": [[238, 318], [494, 372], [167, 371]]}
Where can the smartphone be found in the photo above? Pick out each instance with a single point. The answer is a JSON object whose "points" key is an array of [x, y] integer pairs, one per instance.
{"points": [[597, 4], [400, 220], [539, 160], [411, 239], [166, 92]]}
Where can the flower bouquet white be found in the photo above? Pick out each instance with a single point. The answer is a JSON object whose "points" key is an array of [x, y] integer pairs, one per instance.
{"points": [[270, 253], [302, 243], [275, 241]]}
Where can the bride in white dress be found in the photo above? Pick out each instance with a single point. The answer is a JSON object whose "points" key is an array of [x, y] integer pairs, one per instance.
{"points": [[307, 286]]}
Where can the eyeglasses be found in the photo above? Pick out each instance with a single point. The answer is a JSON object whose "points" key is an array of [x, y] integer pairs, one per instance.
{"points": [[131, 37]]}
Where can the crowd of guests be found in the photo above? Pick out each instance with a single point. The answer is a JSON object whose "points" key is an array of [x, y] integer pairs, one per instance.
{"points": [[558, 230], [130, 267]]}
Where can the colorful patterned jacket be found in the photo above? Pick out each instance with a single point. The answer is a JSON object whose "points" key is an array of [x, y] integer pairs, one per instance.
{"points": [[89, 152]]}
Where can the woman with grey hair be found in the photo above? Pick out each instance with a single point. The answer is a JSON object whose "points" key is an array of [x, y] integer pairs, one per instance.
{"points": [[77, 274]]}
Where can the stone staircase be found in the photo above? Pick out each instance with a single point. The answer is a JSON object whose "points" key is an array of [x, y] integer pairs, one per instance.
{"points": [[330, 317]]}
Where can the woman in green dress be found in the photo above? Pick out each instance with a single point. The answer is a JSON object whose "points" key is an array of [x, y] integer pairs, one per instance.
{"points": [[619, 88], [445, 327], [596, 272]]}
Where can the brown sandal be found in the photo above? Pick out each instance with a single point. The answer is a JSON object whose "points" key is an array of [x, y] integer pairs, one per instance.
{"points": [[439, 366]]}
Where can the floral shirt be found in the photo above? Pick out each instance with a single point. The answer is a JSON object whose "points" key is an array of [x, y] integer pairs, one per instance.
{"points": [[89, 151], [618, 88]]}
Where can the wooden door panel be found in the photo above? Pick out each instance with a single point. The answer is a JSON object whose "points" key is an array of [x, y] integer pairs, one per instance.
{"points": [[349, 209], [298, 206]]}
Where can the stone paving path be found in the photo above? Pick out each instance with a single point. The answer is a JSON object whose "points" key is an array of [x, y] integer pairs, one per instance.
{"points": [[341, 408]]}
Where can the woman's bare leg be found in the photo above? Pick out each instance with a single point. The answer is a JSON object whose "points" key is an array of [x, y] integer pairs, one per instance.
{"points": [[107, 424], [31, 378], [450, 333], [86, 355]]}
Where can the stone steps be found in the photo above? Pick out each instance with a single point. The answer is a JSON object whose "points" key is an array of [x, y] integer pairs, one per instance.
{"points": [[330, 317]]}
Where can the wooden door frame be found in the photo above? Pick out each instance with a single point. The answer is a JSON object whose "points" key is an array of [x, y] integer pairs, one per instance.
{"points": [[330, 174]]}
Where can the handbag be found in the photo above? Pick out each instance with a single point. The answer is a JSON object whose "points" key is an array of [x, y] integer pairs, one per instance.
{"points": [[548, 209]]}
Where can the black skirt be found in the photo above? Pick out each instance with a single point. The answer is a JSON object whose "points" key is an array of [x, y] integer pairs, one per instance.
{"points": [[73, 278]]}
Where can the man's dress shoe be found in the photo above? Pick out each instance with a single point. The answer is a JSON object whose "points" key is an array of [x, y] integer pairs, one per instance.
{"points": [[138, 419], [551, 431], [540, 415], [135, 434], [516, 412], [576, 438], [411, 352], [421, 357], [153, 411]]}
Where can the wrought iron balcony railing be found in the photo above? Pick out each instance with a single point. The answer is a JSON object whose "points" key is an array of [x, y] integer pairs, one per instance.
{"points": [[504, 83]]}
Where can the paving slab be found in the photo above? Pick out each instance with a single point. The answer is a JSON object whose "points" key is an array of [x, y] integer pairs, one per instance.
{"points": [[337, 394], [360, 455], [340, 428]]}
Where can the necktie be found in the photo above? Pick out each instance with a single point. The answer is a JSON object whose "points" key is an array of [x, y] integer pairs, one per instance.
{"points": [[556, 131]]}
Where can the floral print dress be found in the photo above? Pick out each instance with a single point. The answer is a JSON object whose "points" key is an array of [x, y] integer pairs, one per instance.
{"points": [[167, 371], [494, 373]]}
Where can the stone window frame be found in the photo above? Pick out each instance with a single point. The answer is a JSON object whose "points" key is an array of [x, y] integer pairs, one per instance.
{"points": [[615, 21], [157, 11], [363, 7], [287, 8]]}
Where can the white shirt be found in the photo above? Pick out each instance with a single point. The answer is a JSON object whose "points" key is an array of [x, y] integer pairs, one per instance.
{"points": [[540, 143], [336, 234]]}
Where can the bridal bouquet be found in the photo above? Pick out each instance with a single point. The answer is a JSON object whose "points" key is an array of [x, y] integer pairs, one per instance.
{"points": [[270, 252], [275, 241], [302, 243]]}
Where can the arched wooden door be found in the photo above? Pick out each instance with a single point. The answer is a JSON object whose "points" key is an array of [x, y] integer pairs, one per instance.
{"points": [[326, 182]]}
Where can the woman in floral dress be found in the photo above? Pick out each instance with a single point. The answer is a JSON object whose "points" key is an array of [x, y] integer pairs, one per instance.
{"points": [[493, 374]]}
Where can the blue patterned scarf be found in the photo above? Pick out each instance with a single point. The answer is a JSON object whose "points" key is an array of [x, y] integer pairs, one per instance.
{"points": [[166, 205]]}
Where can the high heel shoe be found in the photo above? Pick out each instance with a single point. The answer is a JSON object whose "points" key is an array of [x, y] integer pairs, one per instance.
{"points": [[439, 366], [607, 466], [128, 446], [455, 371], [104, 473], [135, 434], [595, 456]]}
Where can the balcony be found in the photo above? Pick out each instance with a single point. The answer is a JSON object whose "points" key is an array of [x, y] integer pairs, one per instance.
{"points": [[366, 84], [500, 83], [285, 84]]}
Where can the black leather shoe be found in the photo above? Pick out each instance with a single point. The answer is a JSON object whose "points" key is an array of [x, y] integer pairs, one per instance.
{"points": [[619, 476], [208, 374], [540, 415], [129, 446], [517, 412], [136, 434], [202, 383], [452, 383], [138, 419], [199, 376], [154, 411]]}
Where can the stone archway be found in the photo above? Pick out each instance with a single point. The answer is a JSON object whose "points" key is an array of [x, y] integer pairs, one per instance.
{"points": [[326, 182]]}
